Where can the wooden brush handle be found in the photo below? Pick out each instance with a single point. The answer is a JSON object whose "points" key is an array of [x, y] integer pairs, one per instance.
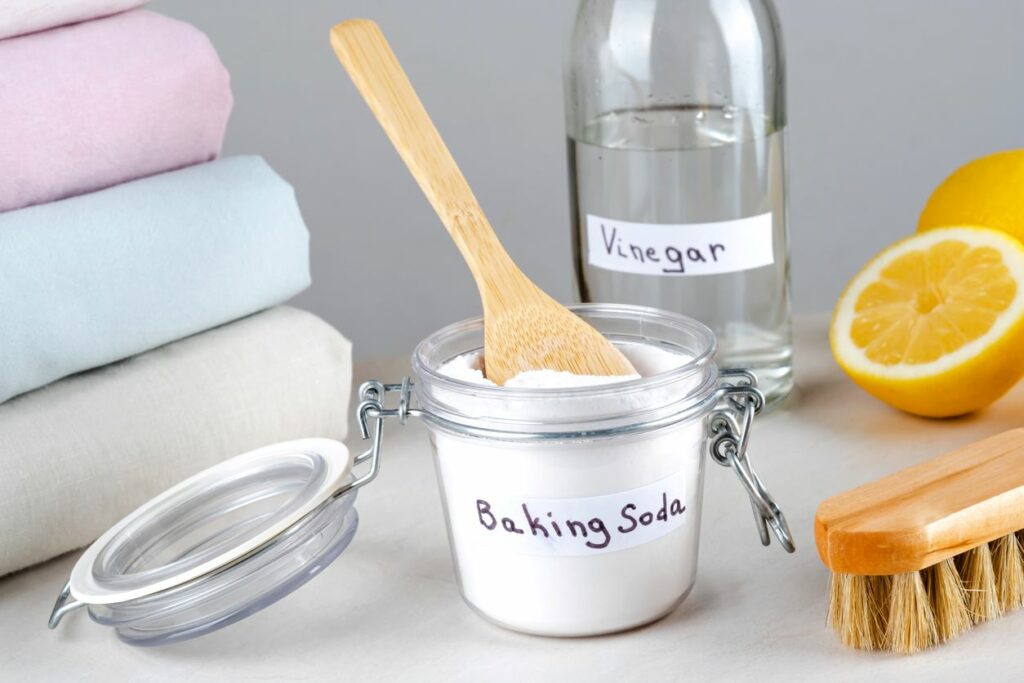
{"points": [[922, 515], [373, 67]]}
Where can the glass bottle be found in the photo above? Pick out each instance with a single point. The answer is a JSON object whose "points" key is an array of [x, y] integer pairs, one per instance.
{"points": [[675, 116]]}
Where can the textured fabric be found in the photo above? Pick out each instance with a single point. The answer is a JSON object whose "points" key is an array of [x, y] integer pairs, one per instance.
{"points": [[98, 278], [80, 454], [88, 106], [25, 16]]}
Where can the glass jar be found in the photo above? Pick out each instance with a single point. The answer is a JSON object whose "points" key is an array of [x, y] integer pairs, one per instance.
{"points": [[575, 511], [675, 118]]}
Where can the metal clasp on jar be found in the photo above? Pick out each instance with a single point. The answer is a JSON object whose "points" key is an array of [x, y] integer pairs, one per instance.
{"points": [[372, 397], [739, 400]]}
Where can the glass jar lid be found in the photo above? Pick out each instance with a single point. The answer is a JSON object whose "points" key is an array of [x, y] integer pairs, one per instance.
{"points": [[220, 545], [209, 520]]}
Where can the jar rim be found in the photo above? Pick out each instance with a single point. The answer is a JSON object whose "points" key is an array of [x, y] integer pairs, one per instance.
{"points": [[684, 323], [699, 353]]}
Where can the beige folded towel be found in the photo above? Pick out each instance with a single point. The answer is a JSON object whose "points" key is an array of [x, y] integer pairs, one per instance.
{"points": [[78, 455]]}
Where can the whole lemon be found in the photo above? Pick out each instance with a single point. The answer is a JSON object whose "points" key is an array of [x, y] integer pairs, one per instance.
{"points": [[988, 192]]}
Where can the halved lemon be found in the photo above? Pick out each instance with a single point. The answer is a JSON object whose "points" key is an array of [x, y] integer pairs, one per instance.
{"points": [[934, 325]]}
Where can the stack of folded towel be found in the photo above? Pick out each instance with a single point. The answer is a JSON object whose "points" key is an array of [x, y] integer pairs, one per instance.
{"points": [[123, 243]]}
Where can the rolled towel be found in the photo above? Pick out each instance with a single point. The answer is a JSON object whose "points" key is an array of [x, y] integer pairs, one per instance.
{"points": [[25, 16], [88, 106], [94, 279], [79, 455]]}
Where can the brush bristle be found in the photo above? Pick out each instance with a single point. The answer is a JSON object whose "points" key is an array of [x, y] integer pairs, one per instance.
{"points": [[911, 623], [880, 591], [909, 612], [850, 613], [859, 609], [979, 579], [1009, 572], [949, 602]]}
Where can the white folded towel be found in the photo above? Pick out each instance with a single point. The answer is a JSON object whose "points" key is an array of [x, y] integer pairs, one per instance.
{"points": [[79, 454]]}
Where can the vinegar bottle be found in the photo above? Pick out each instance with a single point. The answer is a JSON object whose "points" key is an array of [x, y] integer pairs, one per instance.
{"points": [[675, 115]]}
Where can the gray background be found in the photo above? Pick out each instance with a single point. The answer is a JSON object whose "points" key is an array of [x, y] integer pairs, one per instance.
{"points": [[885, 99]]}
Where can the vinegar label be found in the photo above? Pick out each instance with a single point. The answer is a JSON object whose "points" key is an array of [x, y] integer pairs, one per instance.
{"points": [[680, 249], [581, 526]]}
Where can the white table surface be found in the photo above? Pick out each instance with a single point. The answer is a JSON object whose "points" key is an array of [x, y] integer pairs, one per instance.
{"points": [[389, 609]]}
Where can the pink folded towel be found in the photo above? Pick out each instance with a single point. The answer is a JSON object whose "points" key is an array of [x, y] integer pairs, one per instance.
{"points": [[91, 105], [25, 16]]}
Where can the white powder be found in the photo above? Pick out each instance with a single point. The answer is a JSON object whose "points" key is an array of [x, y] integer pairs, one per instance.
{"points": [[646, 359], [579, 536], [469, 367]]}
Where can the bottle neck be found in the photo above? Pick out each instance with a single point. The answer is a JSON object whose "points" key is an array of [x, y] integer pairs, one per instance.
{"points": [[651, 55]]}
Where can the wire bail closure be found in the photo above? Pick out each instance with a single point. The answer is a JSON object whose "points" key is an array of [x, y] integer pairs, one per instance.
{"points": [[372, 395], [729, 426]]}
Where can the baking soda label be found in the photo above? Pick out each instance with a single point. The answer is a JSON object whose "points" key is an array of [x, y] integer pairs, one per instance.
{"points": [[680, 249], [581, 526]]}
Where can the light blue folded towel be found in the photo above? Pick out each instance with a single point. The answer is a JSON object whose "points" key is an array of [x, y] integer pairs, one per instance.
{"points": [[97, 278]]}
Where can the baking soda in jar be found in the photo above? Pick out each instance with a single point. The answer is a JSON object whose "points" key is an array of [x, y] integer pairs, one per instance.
{"points": [[573, 510], [578, 538]]}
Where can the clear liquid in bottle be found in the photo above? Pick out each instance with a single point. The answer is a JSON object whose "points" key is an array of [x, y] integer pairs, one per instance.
{"points": [[684, 208]]}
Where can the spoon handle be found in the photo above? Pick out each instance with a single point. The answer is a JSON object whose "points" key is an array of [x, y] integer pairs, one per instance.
{"points": [[380, 79]]}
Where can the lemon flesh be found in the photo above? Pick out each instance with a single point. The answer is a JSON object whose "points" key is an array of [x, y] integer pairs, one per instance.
{"points": [[988, 191], [934, 325]]}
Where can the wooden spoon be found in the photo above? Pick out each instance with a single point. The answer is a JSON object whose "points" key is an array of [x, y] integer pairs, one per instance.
{"points": [[524, 328]]}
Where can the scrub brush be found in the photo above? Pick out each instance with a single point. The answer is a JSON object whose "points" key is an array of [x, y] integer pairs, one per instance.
{"points": [[922, 555]]}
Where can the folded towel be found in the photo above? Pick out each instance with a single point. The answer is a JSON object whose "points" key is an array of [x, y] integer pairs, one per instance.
{"points": [[94, 279], [91, 105], [25, 16], [80, 454]]}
